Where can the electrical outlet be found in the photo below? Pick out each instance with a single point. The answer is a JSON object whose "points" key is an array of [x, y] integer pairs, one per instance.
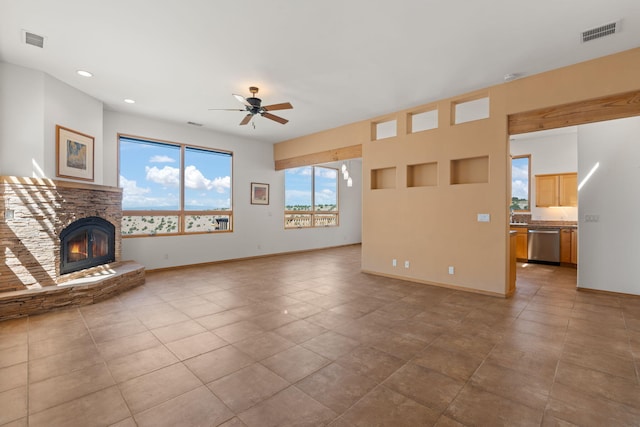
{"points": [[591, 218], [406, 264], [451, 269], [394, 262], [166, 256]]}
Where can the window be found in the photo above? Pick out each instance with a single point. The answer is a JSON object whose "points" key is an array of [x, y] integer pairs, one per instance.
{"points": [[520, 182], [311, 197], [173, 188]]}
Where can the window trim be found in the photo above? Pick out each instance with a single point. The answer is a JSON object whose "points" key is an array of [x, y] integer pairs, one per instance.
{"points": [[521, 156], [181, 213], [313, 212]]}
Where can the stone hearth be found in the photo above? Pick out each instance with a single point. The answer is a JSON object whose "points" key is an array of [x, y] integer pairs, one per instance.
{"points": [[33, 212]]}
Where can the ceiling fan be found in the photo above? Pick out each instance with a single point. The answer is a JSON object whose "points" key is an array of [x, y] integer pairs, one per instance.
{"points": [[253, 106]]}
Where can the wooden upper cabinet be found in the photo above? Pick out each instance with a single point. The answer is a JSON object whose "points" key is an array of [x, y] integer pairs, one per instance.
{"points": [[546, 190], [557, 190], [568, 185]]}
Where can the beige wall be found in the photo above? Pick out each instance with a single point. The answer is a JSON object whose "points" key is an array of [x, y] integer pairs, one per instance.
{"points": [[436, 227]]}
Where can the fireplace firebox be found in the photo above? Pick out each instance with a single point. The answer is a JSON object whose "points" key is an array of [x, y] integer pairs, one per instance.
{"points": [[85, 243]]}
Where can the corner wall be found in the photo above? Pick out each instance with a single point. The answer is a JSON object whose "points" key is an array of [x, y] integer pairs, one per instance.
{"points": [[436, 227], [258, 230], [608, 247], [32, 103]]}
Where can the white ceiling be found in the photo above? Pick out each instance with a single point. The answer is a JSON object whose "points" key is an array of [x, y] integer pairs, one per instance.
{"points": [[336, 61]]}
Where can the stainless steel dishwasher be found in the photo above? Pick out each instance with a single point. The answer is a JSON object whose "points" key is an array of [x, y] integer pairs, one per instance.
{"points": [[544, 245]]}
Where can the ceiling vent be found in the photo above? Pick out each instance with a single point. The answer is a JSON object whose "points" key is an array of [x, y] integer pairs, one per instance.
{"points": [[33, 39], [601, 31]]}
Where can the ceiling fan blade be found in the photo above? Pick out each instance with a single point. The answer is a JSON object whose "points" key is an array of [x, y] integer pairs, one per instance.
{"points": [[242, 99], [227, 109], [274, 118], [283, 106], [246, 119]]}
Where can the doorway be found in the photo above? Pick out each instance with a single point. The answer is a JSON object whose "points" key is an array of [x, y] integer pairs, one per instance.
{"points": [[539, 158]]}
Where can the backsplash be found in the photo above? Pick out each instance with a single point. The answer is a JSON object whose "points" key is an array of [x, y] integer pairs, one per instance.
{"points": [[525, 218]]}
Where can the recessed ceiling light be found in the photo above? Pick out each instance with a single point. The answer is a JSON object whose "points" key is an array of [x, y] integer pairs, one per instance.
{"points": [[84, 73], [129, 101]]}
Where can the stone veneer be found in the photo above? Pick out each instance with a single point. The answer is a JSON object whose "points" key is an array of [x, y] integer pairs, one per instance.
{"points": [[33, 212], [101, 283]]}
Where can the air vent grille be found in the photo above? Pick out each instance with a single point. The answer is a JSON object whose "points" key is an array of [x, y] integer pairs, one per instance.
{"points": [[33, 39], [601, 31]]}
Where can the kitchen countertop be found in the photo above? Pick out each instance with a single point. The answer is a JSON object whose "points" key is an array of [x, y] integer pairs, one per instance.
{"points": [[541, 225]]}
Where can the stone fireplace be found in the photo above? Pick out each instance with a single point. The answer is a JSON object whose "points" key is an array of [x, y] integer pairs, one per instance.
{"points": [[37, 215], [87, 242]]}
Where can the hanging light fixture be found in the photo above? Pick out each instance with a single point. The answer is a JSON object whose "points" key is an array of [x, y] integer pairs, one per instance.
{"points": [[350, 182], [344, 167]]}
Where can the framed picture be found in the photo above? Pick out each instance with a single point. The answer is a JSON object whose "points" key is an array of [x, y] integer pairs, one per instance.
{"points": [[74, 152], [259, 193]]}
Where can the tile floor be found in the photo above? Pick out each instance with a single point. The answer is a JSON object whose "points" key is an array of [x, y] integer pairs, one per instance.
{"points": [[307, 339]]}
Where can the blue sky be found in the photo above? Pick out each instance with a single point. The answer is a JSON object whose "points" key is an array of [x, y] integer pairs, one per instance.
{"points": [[150, 177], [298, 182], [520, 178]]}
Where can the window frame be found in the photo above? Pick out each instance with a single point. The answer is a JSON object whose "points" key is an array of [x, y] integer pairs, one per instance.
{"points": [[521, 156], [181, 212], [313, 213]]}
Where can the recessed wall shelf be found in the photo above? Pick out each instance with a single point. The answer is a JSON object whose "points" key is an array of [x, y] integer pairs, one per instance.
{"points": [[473, 170], [421, 121], [384, 129], [384, 178], [422, 175], [470, 110]]}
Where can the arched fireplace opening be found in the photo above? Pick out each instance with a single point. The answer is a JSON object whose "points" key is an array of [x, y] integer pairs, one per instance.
{"points": [[85, 243]]}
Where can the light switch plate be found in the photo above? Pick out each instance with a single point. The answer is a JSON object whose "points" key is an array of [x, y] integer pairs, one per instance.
{"points": [[484, 217]]}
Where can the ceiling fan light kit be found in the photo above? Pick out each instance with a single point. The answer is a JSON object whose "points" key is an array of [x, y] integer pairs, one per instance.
{"points": [[253, 105]]}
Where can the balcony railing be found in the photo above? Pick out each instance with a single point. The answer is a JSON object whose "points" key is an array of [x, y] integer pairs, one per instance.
{"points": [[157, 223], [309, 219]]}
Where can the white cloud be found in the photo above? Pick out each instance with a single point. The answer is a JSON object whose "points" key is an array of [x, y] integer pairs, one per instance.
{"points": [[519, 188], [130, 187], [326, 173], [161, 159], [134, 196], [207, 203], [303, 170], [194, 179], [325, 196], [167, 176], [296, 197], [521, 173]]}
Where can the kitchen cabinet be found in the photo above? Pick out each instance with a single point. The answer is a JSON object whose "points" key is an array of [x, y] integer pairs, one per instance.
{"points": [[574, 246], [569, 246], [568, 189], [565, 246], [521, 243], [557, 190], [512, 264]]}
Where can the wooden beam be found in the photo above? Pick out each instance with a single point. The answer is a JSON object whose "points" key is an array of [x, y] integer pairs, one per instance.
{"points": [[577, 113], [351, 152]]}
